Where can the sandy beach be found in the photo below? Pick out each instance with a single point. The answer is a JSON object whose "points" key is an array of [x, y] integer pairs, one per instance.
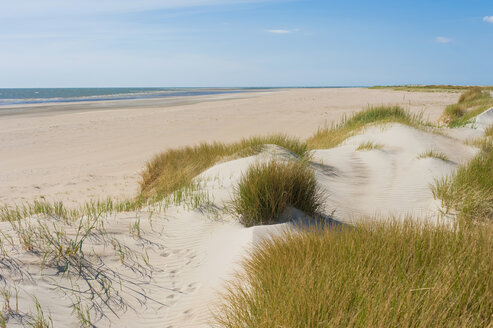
{"points": [[76, 152], [167, 263]]}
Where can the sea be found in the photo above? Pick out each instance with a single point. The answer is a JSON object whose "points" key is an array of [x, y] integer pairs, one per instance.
{"points": [[20, 96]]}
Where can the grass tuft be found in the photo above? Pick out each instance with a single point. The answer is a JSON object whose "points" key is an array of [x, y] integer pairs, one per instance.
{"points": [[374, 275], [433, 154], [266, 189], [368, 145], [332, 136]]}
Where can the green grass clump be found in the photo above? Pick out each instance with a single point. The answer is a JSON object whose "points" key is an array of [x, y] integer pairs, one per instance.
{"points": [[471, 103], [267, 189], [329, 137], [469, 190], [433, 154], [176, 168], [371, 275], [368, 145]]}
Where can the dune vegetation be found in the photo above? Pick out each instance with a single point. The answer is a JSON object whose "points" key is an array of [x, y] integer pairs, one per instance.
{"points": [[266, 189], [391, 274], [331, 136], [469, 190], [368, 145], [471, 103], [370, 275], [176, 168], [433, 154]]}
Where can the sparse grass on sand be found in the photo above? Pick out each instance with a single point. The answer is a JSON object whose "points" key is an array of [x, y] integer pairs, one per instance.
{"points": [[371, 275], [175, 168], [329, 137], [368, 145], [469, 190], [471, 103], [433, 154], [266, 189]]}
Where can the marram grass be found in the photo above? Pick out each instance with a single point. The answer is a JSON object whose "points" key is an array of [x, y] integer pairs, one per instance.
{"points": [[469, 190], [329, 137], [433, 154], [368, 145], [371, 275], [176, 168], [471, 103], [267, 189]]}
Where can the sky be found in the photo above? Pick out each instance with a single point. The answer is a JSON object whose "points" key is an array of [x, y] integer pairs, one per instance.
{"points": [[244, 43]]}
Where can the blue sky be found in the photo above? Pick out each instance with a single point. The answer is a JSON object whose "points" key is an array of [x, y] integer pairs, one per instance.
{"points": [[96, 43]]}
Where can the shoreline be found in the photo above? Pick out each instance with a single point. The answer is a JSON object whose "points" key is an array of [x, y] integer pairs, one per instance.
{"points": [[73, 106]]}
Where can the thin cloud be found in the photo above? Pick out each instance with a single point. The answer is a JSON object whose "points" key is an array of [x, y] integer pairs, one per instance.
{"points": [[37, 8], [282, 31], [441, 39], [488, 19]]}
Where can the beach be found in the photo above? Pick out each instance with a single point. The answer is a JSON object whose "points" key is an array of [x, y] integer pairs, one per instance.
{"points": [[181, 257], [75, 152]]}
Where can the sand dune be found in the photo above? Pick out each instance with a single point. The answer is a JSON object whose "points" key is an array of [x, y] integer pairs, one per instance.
{"points": [[170, 274]]}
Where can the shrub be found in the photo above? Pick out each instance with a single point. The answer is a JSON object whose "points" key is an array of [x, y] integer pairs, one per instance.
{"points": [[267, 189]]}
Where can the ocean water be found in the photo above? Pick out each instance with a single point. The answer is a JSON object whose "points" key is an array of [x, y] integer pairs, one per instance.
{"points": [[13, 96]]}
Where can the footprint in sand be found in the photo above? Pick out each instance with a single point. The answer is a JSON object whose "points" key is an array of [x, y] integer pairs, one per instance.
{"points": [[192, 287], [188, 314], [171, 299]]}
